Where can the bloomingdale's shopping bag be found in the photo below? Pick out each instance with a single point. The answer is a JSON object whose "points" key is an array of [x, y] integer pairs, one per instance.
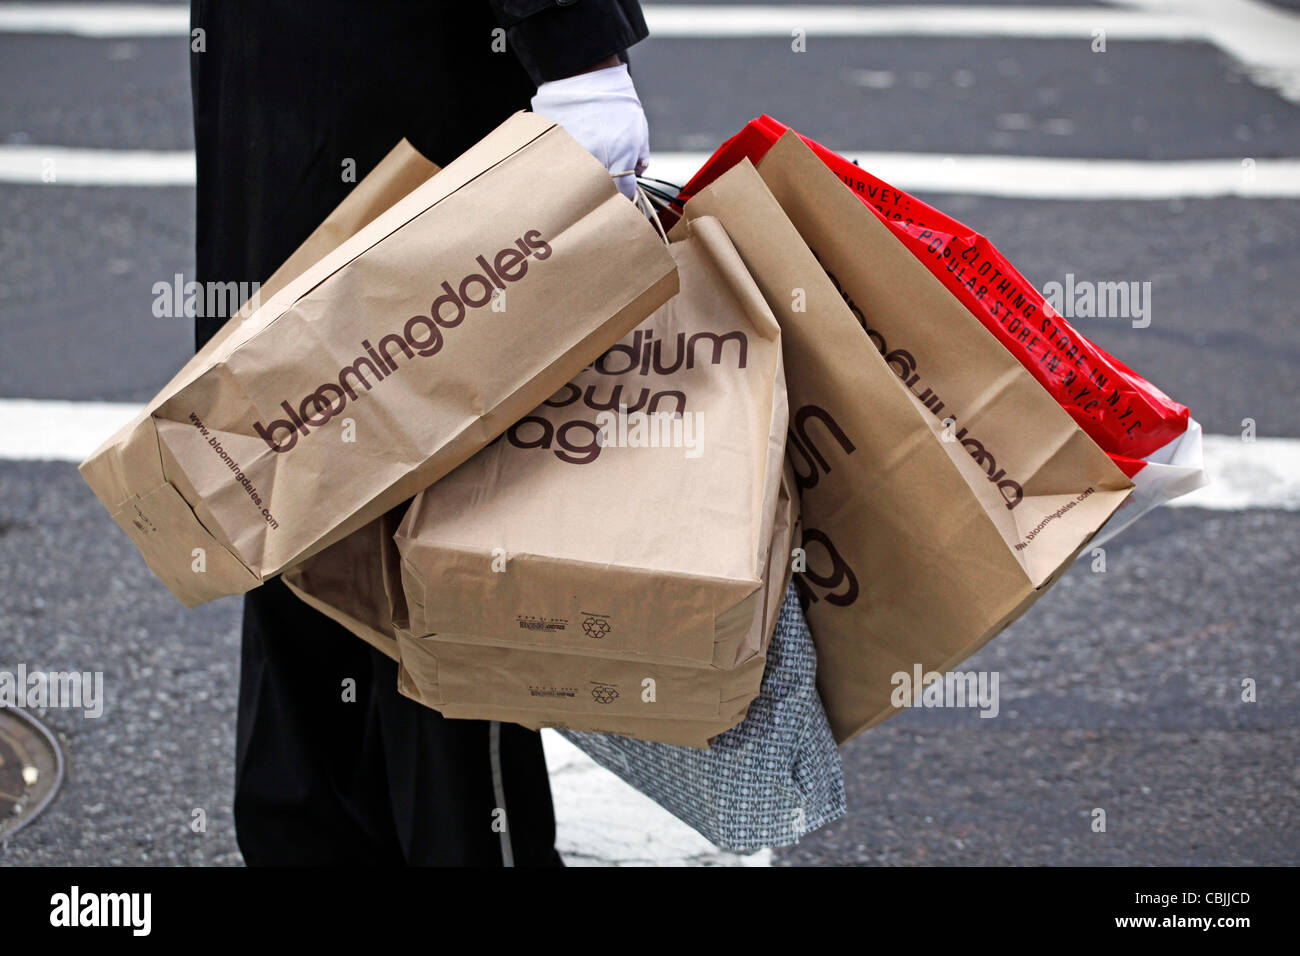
{"points": [[1149, 436], [385, 364], [920, 547], [763, 783], [677, 704]]}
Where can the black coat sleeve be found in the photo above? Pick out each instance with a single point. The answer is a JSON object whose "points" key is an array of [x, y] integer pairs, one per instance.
{"points": [[557, 38]]}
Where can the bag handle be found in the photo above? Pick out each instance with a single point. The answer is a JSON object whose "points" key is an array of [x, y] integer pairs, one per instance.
{"points": [[646, 205], [643, 195], [662, 189]]}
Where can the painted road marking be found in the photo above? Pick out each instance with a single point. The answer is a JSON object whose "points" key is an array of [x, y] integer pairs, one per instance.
{"points": [[65, 166], [1020, 177], [57, 430]]}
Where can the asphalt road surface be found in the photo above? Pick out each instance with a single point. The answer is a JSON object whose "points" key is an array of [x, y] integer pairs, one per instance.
{"points": [[1121, 690]]}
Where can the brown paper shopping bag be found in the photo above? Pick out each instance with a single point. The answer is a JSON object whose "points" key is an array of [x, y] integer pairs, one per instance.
{"points": [[672, 704], [357, 582], [630, 515], [384, 364], [918, 552]]}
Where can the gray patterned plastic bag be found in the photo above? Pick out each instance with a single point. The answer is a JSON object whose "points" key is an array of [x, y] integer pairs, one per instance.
{"points": [[765, 782]]}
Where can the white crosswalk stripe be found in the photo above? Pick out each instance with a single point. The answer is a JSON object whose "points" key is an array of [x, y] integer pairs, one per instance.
{"points": [[1023, 177]]}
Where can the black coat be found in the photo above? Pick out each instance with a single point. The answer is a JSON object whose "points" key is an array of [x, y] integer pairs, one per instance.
{"points": [[285, 93]]}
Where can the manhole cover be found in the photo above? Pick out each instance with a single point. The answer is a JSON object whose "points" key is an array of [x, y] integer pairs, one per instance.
{"points": [[31, 769]]}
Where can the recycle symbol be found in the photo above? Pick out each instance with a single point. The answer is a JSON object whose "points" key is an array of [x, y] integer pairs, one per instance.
{"points": [[604, 693], [596, 627]]}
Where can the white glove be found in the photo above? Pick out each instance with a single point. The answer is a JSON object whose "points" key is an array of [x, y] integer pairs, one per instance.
{"points": [[602, 112]]}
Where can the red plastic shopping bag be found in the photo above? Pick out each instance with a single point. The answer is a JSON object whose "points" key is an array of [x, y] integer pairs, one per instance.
{"points": [[1148, 435]]}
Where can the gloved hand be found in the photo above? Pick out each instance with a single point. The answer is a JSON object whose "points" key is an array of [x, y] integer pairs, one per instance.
{"points": [[601, 111]]}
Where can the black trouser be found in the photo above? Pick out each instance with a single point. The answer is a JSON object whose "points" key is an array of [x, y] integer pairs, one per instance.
{"points": [[286, 92], [334, 766]]}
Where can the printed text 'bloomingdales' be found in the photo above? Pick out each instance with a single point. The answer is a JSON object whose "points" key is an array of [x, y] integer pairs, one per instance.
{"points": [[420, 335]]}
